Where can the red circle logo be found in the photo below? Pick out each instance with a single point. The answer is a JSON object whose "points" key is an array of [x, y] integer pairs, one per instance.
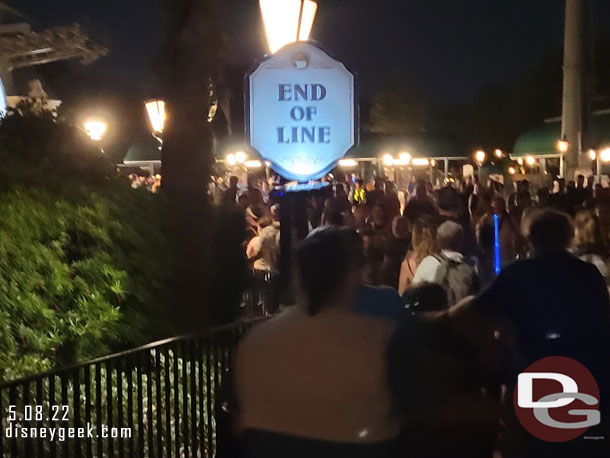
{"points": [[557, 399]]}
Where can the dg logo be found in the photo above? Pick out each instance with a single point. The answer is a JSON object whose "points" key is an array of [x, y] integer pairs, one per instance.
{"points": [[557, 399]]}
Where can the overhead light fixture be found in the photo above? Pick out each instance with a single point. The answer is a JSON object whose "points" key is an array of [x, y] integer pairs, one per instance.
{"points": [[530, 160], [480, 156], [592, 154], [512, 170], [604, 155], [253, 164], [388, 160], [156, 115], [405, 158], [498, 153], [347, 163], [420, 161]]}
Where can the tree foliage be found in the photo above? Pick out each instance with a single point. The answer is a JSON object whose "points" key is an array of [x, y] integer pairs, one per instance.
{"points": [[83, 258]]}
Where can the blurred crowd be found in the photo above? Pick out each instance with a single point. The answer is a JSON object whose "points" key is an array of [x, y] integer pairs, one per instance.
{"points": [[409, 330]]}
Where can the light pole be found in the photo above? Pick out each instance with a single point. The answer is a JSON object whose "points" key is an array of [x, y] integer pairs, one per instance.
{"points": [[288, 21], [157, 117]]}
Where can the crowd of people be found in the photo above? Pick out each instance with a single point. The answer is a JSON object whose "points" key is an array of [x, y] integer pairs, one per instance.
{"points": [[405, 340]]}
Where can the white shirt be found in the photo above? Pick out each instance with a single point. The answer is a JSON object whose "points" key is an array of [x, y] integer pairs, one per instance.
{"points": [[427, 270]]}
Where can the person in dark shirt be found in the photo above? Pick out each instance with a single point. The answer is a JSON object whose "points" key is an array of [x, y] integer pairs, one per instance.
{"points": [[230, 194], [421, 204], [396, 247], [376, 195], [553, 305]]}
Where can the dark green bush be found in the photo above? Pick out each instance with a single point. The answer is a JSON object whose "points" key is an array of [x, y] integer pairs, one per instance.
{"points": [[83, 258]]}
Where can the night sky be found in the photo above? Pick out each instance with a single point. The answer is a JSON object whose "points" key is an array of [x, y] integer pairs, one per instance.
{"points": [[449, 49]]}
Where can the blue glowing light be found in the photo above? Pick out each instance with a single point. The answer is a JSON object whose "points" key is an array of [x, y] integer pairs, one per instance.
{"points": [[497, 262]]}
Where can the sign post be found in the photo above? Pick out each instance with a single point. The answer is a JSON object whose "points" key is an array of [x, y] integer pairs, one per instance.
{"points": [[301, 116]]}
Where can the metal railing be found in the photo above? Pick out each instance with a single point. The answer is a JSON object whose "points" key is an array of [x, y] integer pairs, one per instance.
{"points": [[262, 296], [158, 400]]}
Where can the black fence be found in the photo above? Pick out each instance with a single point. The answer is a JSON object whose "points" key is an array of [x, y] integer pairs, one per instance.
{"points": [[159, 400], [262, 296]]}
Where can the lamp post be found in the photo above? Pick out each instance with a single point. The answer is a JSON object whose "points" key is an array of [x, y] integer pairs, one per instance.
{"points": [[96, 129], [157, 117], [287, 21]]}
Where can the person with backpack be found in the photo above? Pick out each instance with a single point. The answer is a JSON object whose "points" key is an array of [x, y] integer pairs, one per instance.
{"points": [[448, 268]]}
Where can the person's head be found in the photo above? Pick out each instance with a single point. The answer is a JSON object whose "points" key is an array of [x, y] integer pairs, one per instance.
{"points": [[361, 213], [450, 236], [423, 236], [580, 181], [332, 214], [379, 182], [275, 212], [586, 229], [263, 222], [590, 182], [560, 183], [421, 190], [549, 231], [401, 229], [359, 183], [252, 180], [328, 268], [233, 181], [499, 205], [378, 215]]}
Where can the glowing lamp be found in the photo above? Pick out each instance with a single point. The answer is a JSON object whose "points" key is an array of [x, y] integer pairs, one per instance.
{"points": [[95, 129], [253, 164], [562, 146], [287, 21], [512, 170], [592, 154], [388, 160], [231, 160], [405, 158], [420, 162], [480, 156], [156, 115], [240, 157], [347, 163], [498, 153], [604, 155], [530, 160]]}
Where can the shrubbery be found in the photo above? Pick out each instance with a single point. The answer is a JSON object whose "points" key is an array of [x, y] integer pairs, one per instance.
{"points": [[83, 258]]}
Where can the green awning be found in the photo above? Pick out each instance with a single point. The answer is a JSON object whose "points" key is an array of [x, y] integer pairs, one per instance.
{"points": [[433, 146], [542, 140], [145, 148]]}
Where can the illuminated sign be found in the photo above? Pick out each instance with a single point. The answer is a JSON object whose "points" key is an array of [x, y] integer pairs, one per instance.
{"points": [[302, 111]]}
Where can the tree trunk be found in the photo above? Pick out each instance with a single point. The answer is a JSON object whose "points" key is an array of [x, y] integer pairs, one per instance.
{"points": [[190, 59]]}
